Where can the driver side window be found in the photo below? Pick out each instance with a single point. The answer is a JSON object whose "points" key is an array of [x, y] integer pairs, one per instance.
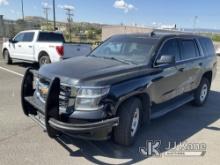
{"points": [[171, 48], [19, 37]]}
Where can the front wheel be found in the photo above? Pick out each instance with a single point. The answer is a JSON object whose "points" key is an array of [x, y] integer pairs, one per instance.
{"points": [[202, 92], [7, 57], [130, 114]]}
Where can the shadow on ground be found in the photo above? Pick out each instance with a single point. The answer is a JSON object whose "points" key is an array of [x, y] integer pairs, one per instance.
{"points": [[177, 127], [26, 65]]}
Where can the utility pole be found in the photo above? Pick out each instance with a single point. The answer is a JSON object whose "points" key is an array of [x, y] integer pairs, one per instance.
{"points": [[194, 23], [54, 15], [46, 11], [22, 9], [69, 13]]}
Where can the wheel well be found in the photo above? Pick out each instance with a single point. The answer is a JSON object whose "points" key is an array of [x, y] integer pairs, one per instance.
{"points": [[145, 100], [42, 53], [208, 75], [4, 51]]}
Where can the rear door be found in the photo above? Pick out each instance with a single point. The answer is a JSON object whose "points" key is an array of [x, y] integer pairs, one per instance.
{"points": [[27, 46], [190, 60]]}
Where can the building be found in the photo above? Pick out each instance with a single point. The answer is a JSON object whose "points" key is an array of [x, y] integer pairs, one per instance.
{"points": [[108, 31]]}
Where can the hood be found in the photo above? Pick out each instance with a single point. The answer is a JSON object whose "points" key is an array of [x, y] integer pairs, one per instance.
{"points": [[86, 70]]}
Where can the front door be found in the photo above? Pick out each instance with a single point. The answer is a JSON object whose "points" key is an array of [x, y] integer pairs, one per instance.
{"points": [[168, 84]]}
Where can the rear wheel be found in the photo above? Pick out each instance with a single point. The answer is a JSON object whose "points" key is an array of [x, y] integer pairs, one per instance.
{"points": [[44, 59], [202, 92], [130, 114], [7, 57]]}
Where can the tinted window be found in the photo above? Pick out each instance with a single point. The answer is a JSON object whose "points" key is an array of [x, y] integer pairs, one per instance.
{"points": [[19, 37], [50, 37], [171, 48], [207, 46], [28, 37], [189, 49]]}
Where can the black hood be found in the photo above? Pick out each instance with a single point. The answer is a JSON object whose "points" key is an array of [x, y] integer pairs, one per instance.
{"points": [[92, 71]]}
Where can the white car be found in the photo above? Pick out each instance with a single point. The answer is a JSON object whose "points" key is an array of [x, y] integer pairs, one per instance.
{"points": [[218, 51], [42, 47]]}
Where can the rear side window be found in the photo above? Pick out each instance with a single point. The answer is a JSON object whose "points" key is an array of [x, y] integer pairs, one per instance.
{"points": [[50, 37], [207, 46], [28, 37], [189, 49], [171, 48]]}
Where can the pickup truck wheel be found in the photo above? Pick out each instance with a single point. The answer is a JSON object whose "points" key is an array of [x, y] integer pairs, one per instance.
{"points": [[7, 57], [44, 59], [202, 92], [130, 114]]}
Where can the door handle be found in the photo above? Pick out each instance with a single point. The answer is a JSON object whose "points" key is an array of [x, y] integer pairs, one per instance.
{"points": [[181, 69], [19, 45], [200, 64], [30, 46]]}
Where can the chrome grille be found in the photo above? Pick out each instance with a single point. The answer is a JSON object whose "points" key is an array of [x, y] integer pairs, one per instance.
{"points": [[66, 103]]}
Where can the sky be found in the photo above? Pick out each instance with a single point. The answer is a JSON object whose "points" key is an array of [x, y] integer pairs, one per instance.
{"points": [[140, 12]]}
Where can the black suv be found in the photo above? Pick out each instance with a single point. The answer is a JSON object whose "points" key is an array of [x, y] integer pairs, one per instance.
{"points": [[125, 82]]}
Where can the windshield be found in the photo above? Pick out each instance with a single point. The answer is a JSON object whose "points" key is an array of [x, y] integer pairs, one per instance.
{"points": [[130, 49]]}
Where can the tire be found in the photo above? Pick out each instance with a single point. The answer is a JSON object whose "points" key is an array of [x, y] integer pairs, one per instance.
{"points": [[202, 92], [123, 134], [7, 57], [44, 59]]}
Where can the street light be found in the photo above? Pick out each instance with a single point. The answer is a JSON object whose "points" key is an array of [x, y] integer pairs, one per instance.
{"points": [[194, 23], [22, 9], [54, 15]]}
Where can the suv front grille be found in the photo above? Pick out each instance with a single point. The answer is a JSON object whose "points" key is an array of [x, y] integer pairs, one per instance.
{"points": [[42, 89]]}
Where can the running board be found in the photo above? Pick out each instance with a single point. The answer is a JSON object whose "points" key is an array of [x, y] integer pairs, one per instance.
{"points": [[163, 110]]}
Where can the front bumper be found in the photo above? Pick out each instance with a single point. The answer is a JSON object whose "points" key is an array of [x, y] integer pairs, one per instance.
{"points": [[52, 122]]}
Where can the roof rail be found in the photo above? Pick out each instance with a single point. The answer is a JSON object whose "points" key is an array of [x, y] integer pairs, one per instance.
{"points": [[166, 32]]}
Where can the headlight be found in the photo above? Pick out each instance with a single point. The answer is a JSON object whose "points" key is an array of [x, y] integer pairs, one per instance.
{"points": [[88, 98]]}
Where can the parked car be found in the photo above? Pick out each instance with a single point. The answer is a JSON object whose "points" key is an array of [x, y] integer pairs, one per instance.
{"points": [[42, 47], [112, 93], [218, 51]]}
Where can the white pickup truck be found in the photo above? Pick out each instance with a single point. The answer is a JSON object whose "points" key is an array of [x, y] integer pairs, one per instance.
{"points": [[42, 47]]}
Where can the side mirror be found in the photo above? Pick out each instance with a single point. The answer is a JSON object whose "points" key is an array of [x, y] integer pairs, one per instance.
{"points": [[12, 41], [166, 59]]}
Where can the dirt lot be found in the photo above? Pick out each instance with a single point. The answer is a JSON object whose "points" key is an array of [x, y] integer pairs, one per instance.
{"points": [[22, 141]]}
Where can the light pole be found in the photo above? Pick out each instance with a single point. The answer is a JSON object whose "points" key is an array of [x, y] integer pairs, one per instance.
{"points": [[22, 9], [54, 15], [194, 23]]}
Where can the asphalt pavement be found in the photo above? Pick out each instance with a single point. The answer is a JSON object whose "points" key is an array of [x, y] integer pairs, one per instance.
{"points": [[22, 141]]}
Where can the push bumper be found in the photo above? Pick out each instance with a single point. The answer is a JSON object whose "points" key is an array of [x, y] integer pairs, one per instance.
{"points": [[50, 119]]}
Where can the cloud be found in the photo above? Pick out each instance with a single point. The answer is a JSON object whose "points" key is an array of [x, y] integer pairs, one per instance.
{"points": [[121, 4], [4, 2], [46, 5], [12, 11], [66, 7]]}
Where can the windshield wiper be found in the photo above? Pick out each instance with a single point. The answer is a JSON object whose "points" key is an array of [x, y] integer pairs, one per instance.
{"points": [[113, 58], [92, 55], [119, 60]]}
